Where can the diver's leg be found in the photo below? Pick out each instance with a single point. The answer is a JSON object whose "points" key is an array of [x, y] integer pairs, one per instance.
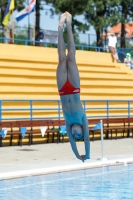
{"points": [[61, 73], [73, 74]]}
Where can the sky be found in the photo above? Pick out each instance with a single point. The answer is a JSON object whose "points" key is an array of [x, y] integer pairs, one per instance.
{"points": [[48, 23]]}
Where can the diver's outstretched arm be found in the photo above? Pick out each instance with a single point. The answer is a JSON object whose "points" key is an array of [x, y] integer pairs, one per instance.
{"points": [[72, 142], [86, 138]]}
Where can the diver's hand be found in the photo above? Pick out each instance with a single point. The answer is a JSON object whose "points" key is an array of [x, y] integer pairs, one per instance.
{"points": [[84, 157], [80, 157]]}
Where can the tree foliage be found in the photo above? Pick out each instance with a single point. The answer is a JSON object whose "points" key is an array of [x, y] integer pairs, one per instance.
{"points": [[104, 13], [75, 7], [37, 27], [124, 14], [99, 14]]}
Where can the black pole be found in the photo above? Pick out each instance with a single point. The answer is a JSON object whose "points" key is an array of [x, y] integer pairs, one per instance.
{"points": [[28, 24]]}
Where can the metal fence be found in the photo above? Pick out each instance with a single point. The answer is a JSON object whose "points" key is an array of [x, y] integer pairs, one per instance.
{"points": [[83, 38], [121, 52], [107, 107], [51, 44]]}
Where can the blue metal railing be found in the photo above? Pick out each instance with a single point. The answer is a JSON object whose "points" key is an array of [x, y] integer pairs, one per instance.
{"points": [[107, 108], [25, 41], [121, 51], [125, 50], [121, 55], [82, 46], [46, 44]]}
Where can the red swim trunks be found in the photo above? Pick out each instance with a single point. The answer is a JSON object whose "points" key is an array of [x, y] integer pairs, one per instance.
{"points": [[68, 89]]}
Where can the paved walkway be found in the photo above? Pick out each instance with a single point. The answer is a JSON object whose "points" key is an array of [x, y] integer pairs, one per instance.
{"points": [[46, 157]]}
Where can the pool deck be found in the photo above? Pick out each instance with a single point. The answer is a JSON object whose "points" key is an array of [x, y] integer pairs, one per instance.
{"points": [[40, 159]]}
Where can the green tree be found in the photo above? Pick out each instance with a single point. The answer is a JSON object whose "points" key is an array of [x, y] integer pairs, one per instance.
{"points": [[39, 7], [19, 5], [20, 33], [104, 13], [37, 27], [99, 14], [75, 7], [125, 14]]}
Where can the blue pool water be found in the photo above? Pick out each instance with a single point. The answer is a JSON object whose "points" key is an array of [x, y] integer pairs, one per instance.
{"points": [[106, 183]]}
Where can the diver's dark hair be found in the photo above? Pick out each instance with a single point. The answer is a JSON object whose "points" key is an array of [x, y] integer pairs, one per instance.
{"points": [[78, 139]]}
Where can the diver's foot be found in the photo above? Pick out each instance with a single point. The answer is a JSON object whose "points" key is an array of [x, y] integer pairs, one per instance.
{"points": [[62, 20], [68, 18]]}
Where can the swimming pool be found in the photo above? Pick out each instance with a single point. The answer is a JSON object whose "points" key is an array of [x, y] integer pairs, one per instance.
{"points": [[106, 183]]}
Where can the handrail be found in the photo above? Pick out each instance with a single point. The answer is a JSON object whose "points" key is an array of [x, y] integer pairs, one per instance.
{"points": [[82, 46], [122, 54], [107, 108], [127, 50], [26, 42]]}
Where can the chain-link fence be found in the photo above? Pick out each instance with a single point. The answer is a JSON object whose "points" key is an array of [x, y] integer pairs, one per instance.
{"points": [[51, 36], [88, 39]]}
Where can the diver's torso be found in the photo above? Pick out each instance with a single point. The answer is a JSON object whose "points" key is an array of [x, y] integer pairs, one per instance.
{"points": [[72, 109]]}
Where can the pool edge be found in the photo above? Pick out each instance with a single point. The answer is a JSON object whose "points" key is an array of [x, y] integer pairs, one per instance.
{"points": [[67, 168]]}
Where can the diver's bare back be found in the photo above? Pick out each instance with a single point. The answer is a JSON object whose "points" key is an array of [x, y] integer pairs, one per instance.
{"points": [[72, 109]]}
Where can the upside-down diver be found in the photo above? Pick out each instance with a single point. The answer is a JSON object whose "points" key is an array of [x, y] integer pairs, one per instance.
{"points": [[68, 82]]}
